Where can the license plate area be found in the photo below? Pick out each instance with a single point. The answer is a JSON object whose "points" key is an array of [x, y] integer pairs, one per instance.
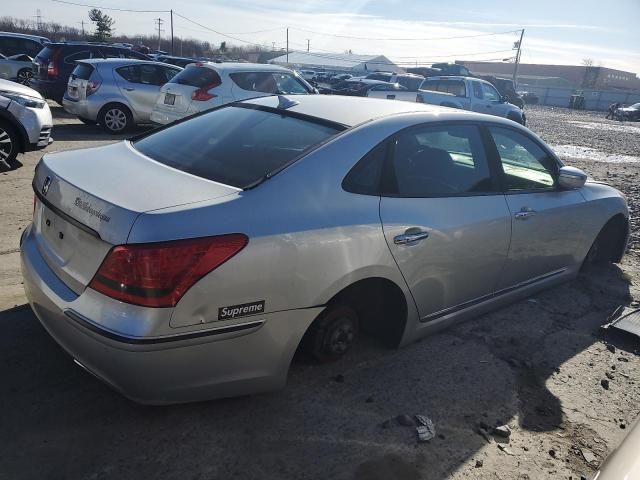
{"points": [[169, 99]]}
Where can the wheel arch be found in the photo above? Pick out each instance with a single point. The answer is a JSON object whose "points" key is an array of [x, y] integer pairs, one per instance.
{"points": [[382, 305], [614, 234], [7, 116]]}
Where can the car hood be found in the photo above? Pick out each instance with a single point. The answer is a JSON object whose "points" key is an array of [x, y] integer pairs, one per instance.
{"points": [[12, 87]]}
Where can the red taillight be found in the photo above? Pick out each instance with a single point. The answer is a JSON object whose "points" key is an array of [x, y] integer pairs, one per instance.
{"points": [[52, 66], [159, 274], [202, 94], [92, 87]]}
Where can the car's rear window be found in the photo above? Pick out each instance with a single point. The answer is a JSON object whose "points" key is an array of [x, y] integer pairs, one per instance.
{"points": [[198, 77], [235, 145], [45, 53], [83, 71]]}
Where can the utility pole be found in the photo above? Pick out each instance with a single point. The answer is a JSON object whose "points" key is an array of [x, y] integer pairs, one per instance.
{"points": [[159, 22], [38, 20], [308, 43], [287, 45], [515, 70], [82, 23], [171, 31]]}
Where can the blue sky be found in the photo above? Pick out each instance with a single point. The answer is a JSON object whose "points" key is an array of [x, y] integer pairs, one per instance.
{"points": [[556, 31]]}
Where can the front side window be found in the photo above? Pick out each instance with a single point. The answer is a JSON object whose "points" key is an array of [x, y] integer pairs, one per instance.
{"points": [[525, 164], [235, 145], [490, 93], [430, 85], [439, 161], [269, 82], [477, 90]]}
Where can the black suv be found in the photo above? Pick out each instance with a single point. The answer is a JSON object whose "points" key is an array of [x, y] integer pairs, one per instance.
{"points": [[53, 65]]}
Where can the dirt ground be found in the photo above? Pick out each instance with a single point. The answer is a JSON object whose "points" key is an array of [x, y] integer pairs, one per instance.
{"points": [[535, 366]]}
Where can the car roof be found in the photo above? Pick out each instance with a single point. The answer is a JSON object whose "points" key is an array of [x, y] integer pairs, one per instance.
{"points": [[24, 35], [368, 81], [244, 67], [351, 111], [127, 61]]}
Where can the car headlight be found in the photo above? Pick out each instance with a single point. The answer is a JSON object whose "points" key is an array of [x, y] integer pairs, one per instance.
{"points": [[24, 100]]}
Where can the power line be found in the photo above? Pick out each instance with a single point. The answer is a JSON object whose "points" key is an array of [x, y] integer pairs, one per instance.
{"points": [[110, 8], [405, 39], [214, 31]]}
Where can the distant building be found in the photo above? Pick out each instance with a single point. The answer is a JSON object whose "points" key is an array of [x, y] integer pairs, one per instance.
{"points": [[346, 62], [574, 76]]}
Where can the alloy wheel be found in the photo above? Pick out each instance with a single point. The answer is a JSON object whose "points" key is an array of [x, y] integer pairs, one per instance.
{"points": [[115, 119], [24, 77], [6, 147]]}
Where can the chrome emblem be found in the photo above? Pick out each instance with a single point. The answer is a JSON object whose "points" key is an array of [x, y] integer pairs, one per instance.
{"points": [[45, 187]]}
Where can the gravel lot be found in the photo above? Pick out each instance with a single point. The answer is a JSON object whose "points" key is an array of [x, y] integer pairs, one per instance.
{"points": [[535, 366]]}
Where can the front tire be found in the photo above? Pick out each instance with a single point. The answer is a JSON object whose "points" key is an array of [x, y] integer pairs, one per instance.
{"points": [[9, 145], [115, 118], [332, 334]]}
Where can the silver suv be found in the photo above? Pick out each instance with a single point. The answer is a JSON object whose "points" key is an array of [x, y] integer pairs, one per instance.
{"points": [[25, 122], [117, 93]]}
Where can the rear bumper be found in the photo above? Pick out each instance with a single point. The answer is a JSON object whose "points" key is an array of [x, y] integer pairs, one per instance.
{"points": [[239, 359], [49, 88], [163, 117], [80, 108]]}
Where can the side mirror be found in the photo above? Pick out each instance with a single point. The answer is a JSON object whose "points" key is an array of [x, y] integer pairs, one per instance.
{"points": [[571, 178], [504, 99]]}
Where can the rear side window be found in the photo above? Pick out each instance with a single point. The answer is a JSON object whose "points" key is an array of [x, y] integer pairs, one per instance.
{"points": [[410, 83], [82, 71], [439, 161], [269, 82], [235, 145], [454, 87], [198, 77], [143, 74], [477, 90], [81, 55], [364, 177]]}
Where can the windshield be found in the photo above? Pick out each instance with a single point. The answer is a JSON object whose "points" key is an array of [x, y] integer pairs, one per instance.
{"points": [[235, 145]]}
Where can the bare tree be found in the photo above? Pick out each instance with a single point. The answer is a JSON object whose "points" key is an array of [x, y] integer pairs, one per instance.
{"points": [[587, 62]]}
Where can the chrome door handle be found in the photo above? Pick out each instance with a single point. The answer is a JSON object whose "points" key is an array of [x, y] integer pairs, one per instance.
{"points": [[409, 237]]}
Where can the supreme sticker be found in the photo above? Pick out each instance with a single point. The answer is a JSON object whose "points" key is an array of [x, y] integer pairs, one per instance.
{"points": [[235, 311]]}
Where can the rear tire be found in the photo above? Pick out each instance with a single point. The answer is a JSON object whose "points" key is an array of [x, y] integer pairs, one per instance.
{"points": [[332, 334], [9, 145], [24, 76], [115, 118]]}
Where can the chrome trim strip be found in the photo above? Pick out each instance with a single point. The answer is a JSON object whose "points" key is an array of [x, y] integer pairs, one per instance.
{"points": [[470, 303], [85, 322]]}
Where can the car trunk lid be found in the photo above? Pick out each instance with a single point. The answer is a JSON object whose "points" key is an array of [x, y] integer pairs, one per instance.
{"points": [[175, 98], [88, 200]]}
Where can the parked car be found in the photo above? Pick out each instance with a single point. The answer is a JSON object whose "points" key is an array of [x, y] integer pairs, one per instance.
{"points": [[468, 93], [178, 61], [529, 98], [442, 69], [206, 85], [410, 81], [630, 113], [193, 261], [17, 68], [25, 122], [506, 88], [391, 91], [116, 93], [16, 43], [53, 65], [360, 87], [308, 75]]}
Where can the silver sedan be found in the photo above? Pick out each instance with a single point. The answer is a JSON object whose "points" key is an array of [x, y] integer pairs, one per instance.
{"points": [[117, 93], [192, 261]]}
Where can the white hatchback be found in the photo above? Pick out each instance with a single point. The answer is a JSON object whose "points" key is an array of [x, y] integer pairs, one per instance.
{"points": [[204, 85]]}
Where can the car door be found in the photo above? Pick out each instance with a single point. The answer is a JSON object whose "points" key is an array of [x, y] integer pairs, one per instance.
{"points": [[493, 103], [444, 218], [478, 103], [140, 85], [547, 222]]}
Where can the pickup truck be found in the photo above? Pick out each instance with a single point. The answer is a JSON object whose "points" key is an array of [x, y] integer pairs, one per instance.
{"points": [[468, 93], [406, 86]]}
